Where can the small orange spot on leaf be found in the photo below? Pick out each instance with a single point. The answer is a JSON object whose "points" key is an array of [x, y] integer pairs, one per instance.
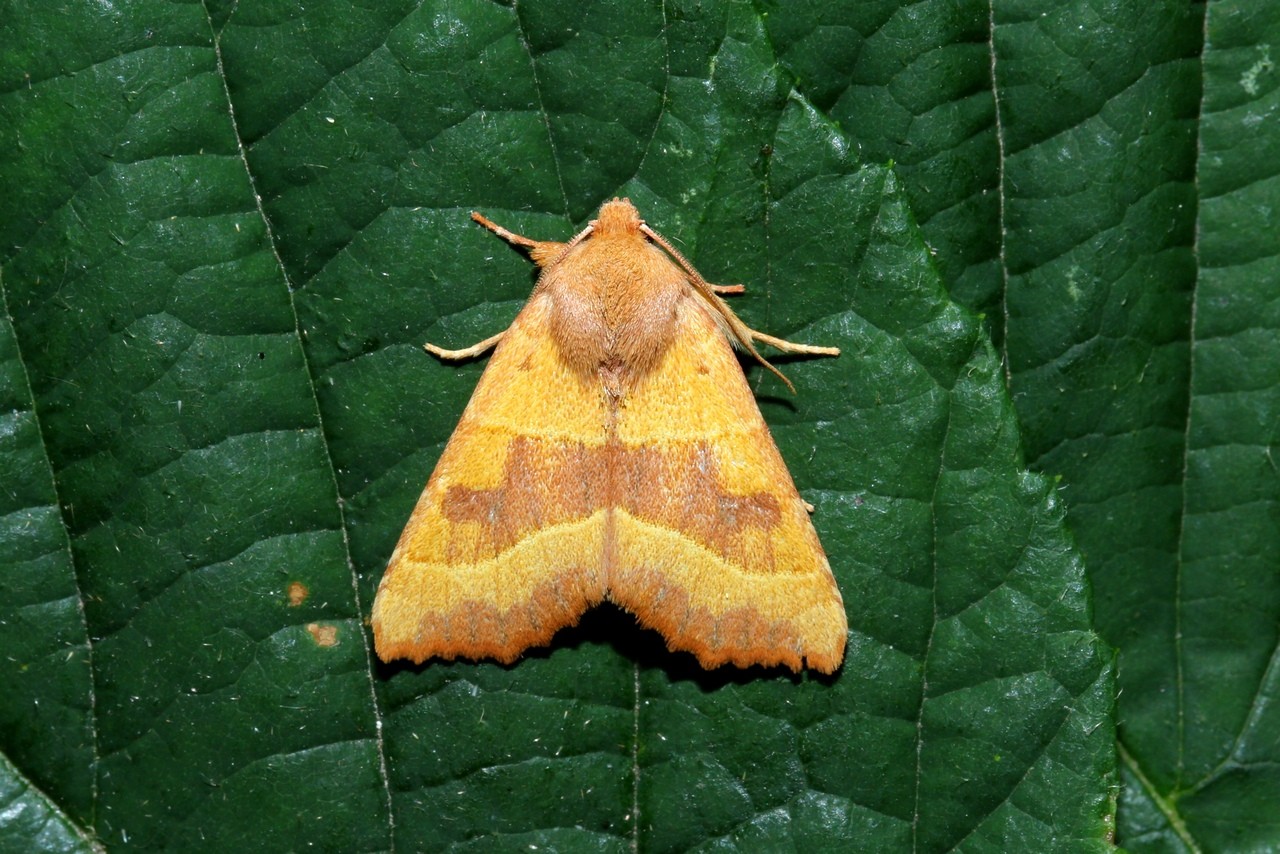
{"points": [[298, 593], [325, 636]]}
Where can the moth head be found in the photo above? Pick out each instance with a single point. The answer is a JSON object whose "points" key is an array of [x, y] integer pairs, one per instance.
{"points": [[617, 217]]}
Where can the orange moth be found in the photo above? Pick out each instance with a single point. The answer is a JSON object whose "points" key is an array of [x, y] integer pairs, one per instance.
{"points": [[613, 450]]}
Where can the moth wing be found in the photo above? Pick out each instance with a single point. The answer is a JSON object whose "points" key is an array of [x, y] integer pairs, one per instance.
{"points": [[504, 546], [713, 545]]}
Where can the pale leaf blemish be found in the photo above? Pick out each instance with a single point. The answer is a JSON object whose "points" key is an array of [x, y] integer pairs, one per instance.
{"points": [[1249, 80], [1073, 289], [297, 593], [324, 636]]}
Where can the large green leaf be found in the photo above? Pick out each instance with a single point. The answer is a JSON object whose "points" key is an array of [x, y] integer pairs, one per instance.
{"points": [[226, 234], [1120, 162]]}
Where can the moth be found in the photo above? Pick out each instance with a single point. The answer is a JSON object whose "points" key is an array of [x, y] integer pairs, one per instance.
{"points": [[613, 451]]}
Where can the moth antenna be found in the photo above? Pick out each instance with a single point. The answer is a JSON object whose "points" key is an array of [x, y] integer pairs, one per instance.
{"points": [[793, 347], [468, 352], [742, 334], [580, 236]]}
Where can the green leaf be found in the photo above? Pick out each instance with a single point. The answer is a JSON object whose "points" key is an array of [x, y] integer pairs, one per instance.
{"points": [[31, 821], [1218, 781], [1100, 179], [46, 664], [227, 233], [912, 83]]}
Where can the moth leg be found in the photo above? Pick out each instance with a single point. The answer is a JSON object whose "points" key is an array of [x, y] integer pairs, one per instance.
{"points": [[728, 289], [543, 252], [791, 346], [750, 335], [469, 352], [737, 331]]}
